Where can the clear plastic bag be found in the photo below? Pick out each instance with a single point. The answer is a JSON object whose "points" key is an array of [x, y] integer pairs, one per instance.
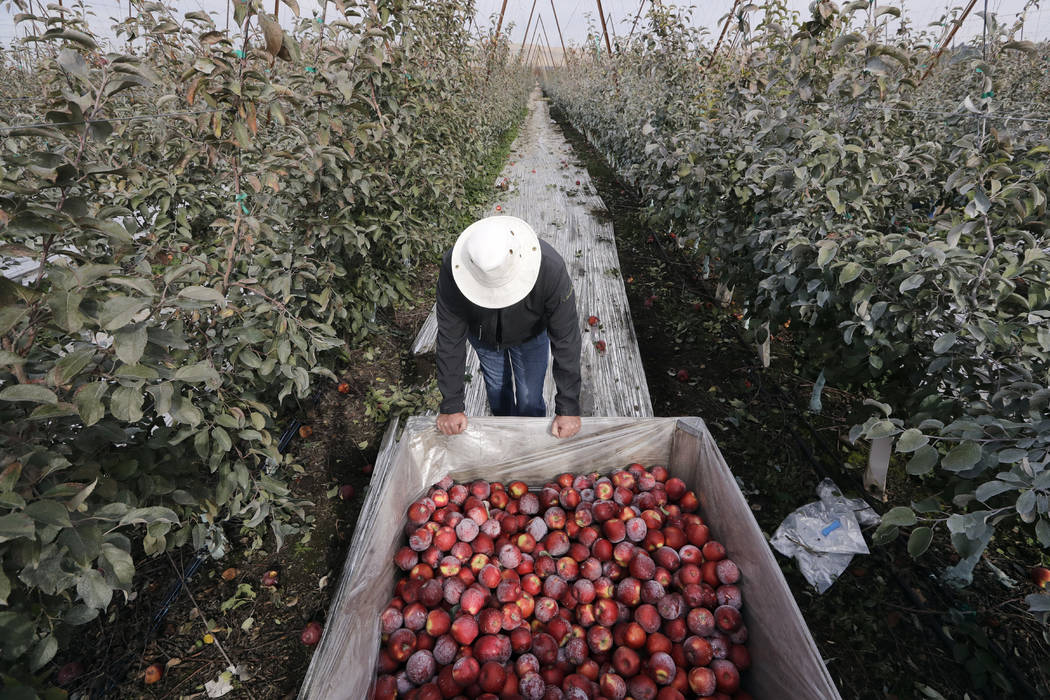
{"points": [[824, 535]]}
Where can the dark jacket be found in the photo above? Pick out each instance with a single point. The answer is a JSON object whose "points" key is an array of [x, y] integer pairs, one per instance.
{"points": [[550, 306]]}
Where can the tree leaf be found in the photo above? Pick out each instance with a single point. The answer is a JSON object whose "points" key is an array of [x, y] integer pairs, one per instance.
{"points": [[944, 343], [118, 564], [5, 587], [1038, 602], [152, 514], [923, 461], [849, 272], [43, 651], [16, 525], [902, 516], [93, 589], [911, 440], [919, 541], [962, 457], [881, 429], [199, 372], [33, 393], [73, 35], [72, 364], [992, 488], [126, 404], [913, 282], [73, 503], [119, 311], [49, 513], [198, 293], [88, 400], [272, 33], [80, 614], [980, 199], [74, 64], [130, 342]]}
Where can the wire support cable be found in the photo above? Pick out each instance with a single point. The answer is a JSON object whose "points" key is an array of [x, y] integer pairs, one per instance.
{"points": [[937, 113], [137, 117]]}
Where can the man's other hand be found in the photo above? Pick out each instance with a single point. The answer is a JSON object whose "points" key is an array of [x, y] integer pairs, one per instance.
{"points": [[565, 426], [456, 423]]}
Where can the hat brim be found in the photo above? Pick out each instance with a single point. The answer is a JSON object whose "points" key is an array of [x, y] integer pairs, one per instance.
{"points": [[527, 259]]}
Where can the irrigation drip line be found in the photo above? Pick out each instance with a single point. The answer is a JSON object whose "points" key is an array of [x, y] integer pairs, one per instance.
{"points": [[116, 672], [293, 428], [137, 117]]}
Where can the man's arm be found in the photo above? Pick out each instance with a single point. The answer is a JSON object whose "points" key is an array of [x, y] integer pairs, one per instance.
{"points": [[565, 337], [450, 349]]}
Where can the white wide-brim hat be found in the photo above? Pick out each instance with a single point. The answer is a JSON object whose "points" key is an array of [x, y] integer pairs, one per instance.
{"points": [[495, 261]]}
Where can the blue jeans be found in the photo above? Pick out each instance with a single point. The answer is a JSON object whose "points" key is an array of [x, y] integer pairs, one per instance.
{"points": [[518, 371]]}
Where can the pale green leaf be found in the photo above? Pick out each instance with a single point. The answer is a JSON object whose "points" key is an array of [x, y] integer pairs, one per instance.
{"points": [[33, 393]]}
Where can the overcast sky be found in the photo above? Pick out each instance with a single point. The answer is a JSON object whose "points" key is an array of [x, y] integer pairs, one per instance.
{"points": [[574, 15]]}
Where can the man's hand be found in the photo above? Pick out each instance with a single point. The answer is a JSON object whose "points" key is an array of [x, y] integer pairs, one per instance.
{"points": [[565, 426], [456, 423]]}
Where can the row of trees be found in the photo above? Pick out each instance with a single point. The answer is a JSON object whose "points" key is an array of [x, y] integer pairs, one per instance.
{"points": [[899, 224], [210, 222]]}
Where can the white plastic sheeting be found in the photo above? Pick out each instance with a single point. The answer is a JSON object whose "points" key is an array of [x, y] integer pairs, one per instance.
{"points": [[786, 660]]}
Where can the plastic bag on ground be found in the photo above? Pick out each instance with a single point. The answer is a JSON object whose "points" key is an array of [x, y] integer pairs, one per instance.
{"points": [[823, 536]]}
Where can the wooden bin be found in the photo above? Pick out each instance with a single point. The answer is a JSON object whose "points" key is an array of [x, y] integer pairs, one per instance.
{"points": [[785, 660]]}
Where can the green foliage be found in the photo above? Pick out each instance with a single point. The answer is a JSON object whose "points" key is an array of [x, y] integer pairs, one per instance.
{"points": [[198, 270], [899, 225]]}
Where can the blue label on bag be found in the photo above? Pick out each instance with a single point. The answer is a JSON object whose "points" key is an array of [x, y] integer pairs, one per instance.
{"points": [[834, 525]]}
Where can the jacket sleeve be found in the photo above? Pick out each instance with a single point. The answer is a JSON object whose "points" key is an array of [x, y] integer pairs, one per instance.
{"points": [[564, 331], [451, 349]]}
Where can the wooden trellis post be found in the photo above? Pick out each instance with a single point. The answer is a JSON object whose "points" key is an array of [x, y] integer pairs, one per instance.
{"points": [[525, 39], [499, 24], [947, 40], [636, 16], [549, 52], [725, 28], [564, 53], [605, 31]]}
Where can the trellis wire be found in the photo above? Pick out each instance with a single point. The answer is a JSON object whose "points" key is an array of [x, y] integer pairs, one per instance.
{"points": [[40, 125]]}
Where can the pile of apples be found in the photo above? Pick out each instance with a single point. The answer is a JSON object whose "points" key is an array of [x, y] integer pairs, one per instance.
{"points": [[588, 587]]}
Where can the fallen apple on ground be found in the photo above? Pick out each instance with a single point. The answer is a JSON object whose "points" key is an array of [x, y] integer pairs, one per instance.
{"points": [[587, 586]]}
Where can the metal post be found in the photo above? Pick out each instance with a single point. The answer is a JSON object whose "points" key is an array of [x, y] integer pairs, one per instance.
{"points": [[725, 28], [636, 16], [605, 31], [564, 53], [525, 39], [958, 23]]}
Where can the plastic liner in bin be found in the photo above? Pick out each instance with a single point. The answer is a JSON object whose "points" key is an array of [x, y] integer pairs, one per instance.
{"points": [[785, 659]]}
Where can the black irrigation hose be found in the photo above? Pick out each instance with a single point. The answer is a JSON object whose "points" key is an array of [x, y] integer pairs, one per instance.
{"points": [[117, 670], [293, 428]]}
